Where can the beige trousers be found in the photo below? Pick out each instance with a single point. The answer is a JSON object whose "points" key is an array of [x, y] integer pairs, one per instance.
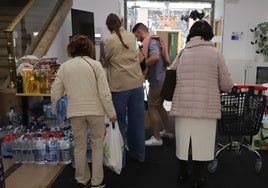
{"points": [[202, 134], [79, 128]]}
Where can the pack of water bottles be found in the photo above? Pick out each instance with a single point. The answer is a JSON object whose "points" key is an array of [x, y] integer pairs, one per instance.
{"points": [[45, 146]]}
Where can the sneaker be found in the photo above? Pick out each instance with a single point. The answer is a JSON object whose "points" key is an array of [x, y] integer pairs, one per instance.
{"points": [[154, 142], [164, 134]]}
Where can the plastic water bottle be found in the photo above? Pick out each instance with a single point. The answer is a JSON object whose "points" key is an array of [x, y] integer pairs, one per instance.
{"points": [[65, 150], [16, 150], [40, 150], [61, 108], [7, 145], [89, 151], [30, 150], [52, 151], [14, 118], [23, 148]]}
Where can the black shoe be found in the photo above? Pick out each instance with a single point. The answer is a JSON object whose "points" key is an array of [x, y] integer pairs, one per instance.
{"points": [[184, 175], [199, 183], [200, 173], [184, 178], [134, 160]]}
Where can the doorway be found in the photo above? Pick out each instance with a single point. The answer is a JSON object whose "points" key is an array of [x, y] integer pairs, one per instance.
{"points": [[176, 15]]}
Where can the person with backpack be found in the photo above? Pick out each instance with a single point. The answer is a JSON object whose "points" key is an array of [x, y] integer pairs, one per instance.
{"points": [[155, 72]]}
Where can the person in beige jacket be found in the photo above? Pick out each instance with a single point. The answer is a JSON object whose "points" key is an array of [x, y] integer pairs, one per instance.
{"points": [[84, 82], [126, 80], [201, 74]]}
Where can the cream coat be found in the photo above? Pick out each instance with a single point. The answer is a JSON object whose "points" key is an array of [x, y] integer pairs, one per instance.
{"points": [[124, 72], [88, 93], [201, 74]]}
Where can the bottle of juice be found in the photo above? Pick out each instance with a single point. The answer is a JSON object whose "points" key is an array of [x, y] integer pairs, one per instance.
{"points": [[42, 83], [36, 82]]}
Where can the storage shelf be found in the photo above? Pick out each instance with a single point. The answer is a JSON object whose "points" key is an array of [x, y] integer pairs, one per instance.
{"points": [[7, 90], [33, 94]]}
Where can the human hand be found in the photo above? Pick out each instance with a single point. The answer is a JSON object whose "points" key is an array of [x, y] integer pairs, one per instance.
{"points": [[113, 119]]}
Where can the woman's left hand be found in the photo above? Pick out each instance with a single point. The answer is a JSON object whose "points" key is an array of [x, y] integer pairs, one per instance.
{"points": [[113, 119]]}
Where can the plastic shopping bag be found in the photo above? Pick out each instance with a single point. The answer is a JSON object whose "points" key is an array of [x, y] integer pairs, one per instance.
{"points": [[113, 147]]}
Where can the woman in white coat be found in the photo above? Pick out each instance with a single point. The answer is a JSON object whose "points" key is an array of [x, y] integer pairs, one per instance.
{"points": [[201, 74], [84, 82]]}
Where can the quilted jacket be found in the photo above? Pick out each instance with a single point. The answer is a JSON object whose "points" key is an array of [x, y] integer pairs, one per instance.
{"points": [[201, 74], [87, 91]]}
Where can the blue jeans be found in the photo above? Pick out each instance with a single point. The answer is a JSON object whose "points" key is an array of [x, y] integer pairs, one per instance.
{"points": [[129, 106]]}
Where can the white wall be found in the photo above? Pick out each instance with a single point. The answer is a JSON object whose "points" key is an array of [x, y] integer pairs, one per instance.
{"points": [[237, 16], [100, 8], [59, 46]]}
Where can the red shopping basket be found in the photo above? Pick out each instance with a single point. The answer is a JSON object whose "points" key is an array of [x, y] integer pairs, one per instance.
{"points": [[242, 111]]}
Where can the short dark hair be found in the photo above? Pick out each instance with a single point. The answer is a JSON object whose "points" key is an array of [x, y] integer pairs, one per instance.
{"points": [[201, 28], [140, 26], [80, 45]]}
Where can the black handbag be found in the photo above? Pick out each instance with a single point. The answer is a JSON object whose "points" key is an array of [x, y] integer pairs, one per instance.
{"points": [[143, 64], [170, 80], [169, 85]]}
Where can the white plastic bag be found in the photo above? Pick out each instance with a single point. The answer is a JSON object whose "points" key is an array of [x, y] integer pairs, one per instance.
{"points": [[113, 146]]}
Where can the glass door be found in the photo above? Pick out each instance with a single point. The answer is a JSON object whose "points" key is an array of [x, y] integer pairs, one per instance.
{"points": [[168, 16]]}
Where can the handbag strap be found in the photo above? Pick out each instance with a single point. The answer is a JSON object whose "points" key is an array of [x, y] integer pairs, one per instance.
{"points": [[91, 66], [176, 61], [93, 71]]}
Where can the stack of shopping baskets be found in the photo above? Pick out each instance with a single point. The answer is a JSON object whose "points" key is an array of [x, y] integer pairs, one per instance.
{"points": [[242, 113]]}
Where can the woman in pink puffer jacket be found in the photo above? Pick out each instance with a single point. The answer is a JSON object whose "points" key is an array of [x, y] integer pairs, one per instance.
{"points": [[201, 74]]}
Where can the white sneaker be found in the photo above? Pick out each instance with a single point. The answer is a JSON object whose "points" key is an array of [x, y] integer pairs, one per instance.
{"points": [[154, 142], [164, 134]]}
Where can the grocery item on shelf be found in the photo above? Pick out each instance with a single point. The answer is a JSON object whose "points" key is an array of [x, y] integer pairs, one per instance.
{"points": [[37, 74]]}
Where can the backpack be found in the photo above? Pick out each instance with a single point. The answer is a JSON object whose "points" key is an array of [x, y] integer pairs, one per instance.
{"points": [[163, 48]]}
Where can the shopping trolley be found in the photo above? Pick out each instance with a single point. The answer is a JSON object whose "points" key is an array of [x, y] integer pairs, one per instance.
{"points": [[242, 111]]}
